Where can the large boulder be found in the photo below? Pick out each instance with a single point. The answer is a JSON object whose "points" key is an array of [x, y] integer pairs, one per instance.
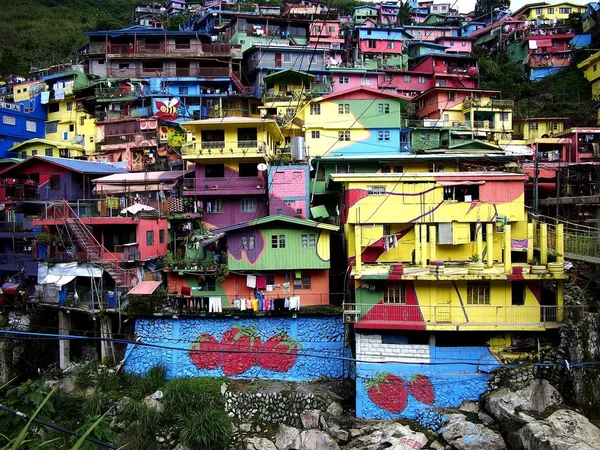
{"points": [[310, 419], [507, 405], [392, 436], [287, 438], [464, 435], [563, 430], [260, 444], [317, 440]]}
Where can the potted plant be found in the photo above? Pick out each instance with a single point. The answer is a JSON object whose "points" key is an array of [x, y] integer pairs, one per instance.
{"points": [[41, 244], [475, 266]]}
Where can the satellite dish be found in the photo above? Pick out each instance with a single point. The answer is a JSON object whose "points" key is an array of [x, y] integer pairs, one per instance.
{"points": [[2, 206], [262, 167]]}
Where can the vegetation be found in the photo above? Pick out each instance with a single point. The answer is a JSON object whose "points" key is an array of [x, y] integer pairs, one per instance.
{"points": [[46, 32]]}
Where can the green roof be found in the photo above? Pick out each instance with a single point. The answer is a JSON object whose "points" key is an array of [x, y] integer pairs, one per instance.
{"points": [[277, 218]]}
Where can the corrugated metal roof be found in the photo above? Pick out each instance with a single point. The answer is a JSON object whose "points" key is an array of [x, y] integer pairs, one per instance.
{"points": [[145, 288], [139, 177], [80, 166], [277, 218]]}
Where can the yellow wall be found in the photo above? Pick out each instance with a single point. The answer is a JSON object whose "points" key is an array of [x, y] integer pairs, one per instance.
{"points": [[73, 122], [39, 149], [552, 11], [544, 126]]}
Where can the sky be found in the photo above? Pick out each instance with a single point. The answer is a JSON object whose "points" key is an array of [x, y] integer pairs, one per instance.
{"points": [[466, 6]]}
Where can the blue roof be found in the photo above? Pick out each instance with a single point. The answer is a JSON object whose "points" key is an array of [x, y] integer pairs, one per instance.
{"points": [[81, 166]]}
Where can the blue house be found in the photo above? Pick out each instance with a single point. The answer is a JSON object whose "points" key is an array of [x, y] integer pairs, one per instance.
{"points": [[20, 122]]}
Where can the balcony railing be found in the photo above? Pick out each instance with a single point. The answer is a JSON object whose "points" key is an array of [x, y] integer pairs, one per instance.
{"points": [[173, 48], [224, 148], [110, 206], [167, 72], [127, 138], [224, 186], [468, 316], [474, 103]]}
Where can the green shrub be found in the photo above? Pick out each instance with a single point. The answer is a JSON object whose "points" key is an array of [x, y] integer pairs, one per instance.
{"points": [[101, 431], [188, 395], [205, 429], [147, 418], [96, 404], [138, 387]]}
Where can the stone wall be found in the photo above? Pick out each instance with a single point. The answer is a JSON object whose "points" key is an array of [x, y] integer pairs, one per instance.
{"points": [[372, 348], [292, 349]]}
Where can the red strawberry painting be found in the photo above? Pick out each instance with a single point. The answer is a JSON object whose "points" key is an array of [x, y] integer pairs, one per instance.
{"points": [[421, 389], [205, 352], [279, 353], [387, 391], [239, 346]]}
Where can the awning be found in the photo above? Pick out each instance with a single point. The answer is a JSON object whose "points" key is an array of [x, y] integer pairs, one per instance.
{"points": [[101, 189], [10, 288], [517, 150], [533, 45], [57, 279], [145, 288], [69, 269], [459, 183]]}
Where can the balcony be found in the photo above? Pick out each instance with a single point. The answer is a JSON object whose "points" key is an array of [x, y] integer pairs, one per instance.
{"points": [[456, 318], [173, 49], [115, 92], [487, 104], [168, 72], [224, 149], [140, 139], [482, 125], [538, 61], [17, 190], [101, 208], [217, 112], [224, 186]]}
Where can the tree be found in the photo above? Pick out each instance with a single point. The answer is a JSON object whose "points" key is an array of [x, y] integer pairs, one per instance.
{"points": [[484, 8], [404, 17]]}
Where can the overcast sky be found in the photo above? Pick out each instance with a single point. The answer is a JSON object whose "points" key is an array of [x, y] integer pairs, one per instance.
{"points": [[468, 5]]}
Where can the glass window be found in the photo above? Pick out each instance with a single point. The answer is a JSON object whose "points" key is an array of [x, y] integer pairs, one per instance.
{"points": [[344, 135], [30, 126], [383, 135], [9, 120], [302, 283], [183, 90], [365, 82], [69, 106], [54, 182], [48, 151], [391, 44], [383, 108], [315, 134], [421, 80], [249, 205], [478, 293], [287, 57], [376, 190], [344, 80], [161, 236], [278, 241], [150, 238], [394, 294], [344, 108], [533, 125], [550, 10], [406, 78], [315, 109]]}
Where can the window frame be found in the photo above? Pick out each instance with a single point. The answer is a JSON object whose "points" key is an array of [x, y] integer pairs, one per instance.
{"points": [[396, 293], [478, 293], [149, 238], [248, 205]]}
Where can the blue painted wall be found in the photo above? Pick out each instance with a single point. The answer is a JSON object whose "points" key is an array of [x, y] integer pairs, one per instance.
{"points": [[322, 336], [29, 110], [452, 382], [398, 143], [538, 73]]}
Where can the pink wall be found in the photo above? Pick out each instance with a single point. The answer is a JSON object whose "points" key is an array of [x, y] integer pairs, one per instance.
{"points": [[381, 46], [440, 102], [456, 45], [288, 191], [157, 249], [354, 81]]}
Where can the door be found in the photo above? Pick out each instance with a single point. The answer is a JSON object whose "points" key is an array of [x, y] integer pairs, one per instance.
{"points": [[277, 59], [443, 313]]}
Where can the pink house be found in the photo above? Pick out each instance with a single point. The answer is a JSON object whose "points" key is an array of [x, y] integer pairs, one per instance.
{"points": [[344, 79], [456, 44], [429, 32]]}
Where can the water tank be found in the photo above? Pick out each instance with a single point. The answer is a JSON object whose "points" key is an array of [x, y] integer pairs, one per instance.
{"points": [[298, 150]]}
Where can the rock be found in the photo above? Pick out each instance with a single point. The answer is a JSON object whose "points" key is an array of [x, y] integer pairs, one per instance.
{"points": [[390, 435], [287, 438], [317, 440], [355, 433], [160, 439], [181, 447], [260, 444], [122, 404], [435, 445], [310, 419], [338, 434], [152, 402], [246, 427], [563, 430], [464, 435], [469, 407], [335, 409], [535, 396], [485, 419]]}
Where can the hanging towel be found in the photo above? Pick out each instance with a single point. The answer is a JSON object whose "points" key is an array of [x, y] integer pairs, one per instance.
{"points": [[251, 281], [286, 303], [59, 94], [269, 288], [261, 282], [395, 240], [45, 97], [295, 302]]}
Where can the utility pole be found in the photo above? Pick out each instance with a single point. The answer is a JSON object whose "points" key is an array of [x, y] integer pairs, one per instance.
{"points": [[535, 180]]}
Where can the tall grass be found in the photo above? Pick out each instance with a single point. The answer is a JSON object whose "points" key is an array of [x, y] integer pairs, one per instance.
{"points": [[206, 429]]}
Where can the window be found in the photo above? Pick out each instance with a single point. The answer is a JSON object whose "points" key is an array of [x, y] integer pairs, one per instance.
{"points": [[389, 77], [538, 11], [518, 292], [554, 126], [69, 106], [278, 241], [33, 152], [406, 78], [451, 96], [23, 155], [161, 236], [248, 170], [504, 117], [317, 28], [123, 66], [344, 135], [208, 283], [183, 90], [394, 294], [51, 127], [332, 29], [48, 151], [344, 80], [391, 44], [248, 205], [71, 127], [431, 100], [376, 190], [287, 57], [215, 206], [564, 10], [421, 80], [550, 10], [302, 283], [383, 135], [533, 125], [54, 182], [249, 242], [150, 238], [464, 43], [81, 120], [315, 134], [9, 120], [308, 241], [65, 136], [478, 293], [315, 109], [53, 107], [30, 126], [214, 170], [383, 108], [595, 67], [344, 108], [365, 82]]}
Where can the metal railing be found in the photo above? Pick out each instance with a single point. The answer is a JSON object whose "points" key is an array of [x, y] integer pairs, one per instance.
{"points": [[101, 207], [579, 240], [224, 148], [464, 316], [474, 103]]}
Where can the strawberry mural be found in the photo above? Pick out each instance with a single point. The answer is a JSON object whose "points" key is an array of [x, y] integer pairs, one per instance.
{"points": [[205, 352], [279, 353], [240, 346], [421, 389], [387, 391]]}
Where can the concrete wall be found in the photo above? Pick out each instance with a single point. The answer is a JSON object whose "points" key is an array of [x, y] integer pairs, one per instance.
{"points": [[315, 343]]}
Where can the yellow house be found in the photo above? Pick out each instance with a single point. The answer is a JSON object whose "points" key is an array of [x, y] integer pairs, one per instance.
{"points": [[46, 147], [538, 127], [547, 11], [68, 122], [447, 252], [231, 138], [591, 70]]}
